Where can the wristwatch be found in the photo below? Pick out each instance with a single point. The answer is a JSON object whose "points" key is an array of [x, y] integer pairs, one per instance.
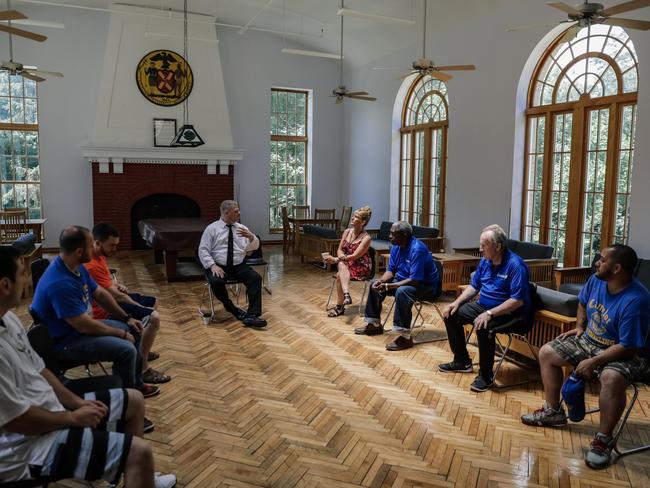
{"points": [[489, 312]]}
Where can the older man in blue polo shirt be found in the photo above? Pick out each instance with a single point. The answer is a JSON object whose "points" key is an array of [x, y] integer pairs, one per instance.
{"points": [[502, 280], [410, 275]]}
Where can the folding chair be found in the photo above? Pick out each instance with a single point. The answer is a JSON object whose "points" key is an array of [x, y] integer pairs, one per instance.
{"points": [[366, 281], [621, 424], [503, 350], [418, 335]]}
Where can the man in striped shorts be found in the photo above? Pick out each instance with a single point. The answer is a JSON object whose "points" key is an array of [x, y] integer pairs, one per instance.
{"points": [[48, 432]]}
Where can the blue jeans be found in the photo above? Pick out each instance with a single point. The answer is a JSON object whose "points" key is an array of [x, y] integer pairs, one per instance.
{"points": [[404, 298], [126, 357]]}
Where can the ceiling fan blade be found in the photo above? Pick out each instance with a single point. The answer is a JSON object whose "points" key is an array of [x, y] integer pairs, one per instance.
{"points": [[368, 99], [23, 33], [631, 23], [357, 93], [564, 8], [625, 7], [31, 76], [570, 33], [38, 72], [440, 75], [459, 67], [12, 15]]}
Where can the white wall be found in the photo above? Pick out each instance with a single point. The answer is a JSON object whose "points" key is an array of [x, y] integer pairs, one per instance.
{"points": [[251, 63], [481, 116]]}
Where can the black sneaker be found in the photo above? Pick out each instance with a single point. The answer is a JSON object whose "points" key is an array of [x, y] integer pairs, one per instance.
{"points": [[454, 367], [254, 321], [148, 426], [481, 384]]}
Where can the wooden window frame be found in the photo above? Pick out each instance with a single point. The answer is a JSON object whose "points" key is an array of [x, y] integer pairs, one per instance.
{"points": [[14, 127], [579, 152], [427, 129], [287, 138]]}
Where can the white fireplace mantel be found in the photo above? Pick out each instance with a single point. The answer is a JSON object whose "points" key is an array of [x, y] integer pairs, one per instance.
{"points": [[164, 155]]}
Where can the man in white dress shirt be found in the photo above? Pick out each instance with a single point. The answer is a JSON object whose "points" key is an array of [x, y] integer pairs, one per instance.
{"points": [[224, 245]]}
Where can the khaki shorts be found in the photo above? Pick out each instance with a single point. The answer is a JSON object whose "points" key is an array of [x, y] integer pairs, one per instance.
{"points": [[573, 350]]}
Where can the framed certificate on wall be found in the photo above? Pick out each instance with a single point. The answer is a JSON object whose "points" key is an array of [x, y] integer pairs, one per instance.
{"points": [[164, 131]]}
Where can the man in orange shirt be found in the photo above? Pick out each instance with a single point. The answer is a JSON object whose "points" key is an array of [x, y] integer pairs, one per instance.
{"points": [[141, 307]]}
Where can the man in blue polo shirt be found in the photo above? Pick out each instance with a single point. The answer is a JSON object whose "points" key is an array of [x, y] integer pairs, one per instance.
{"points": [[502, 280], [63, 302], [612, 335], [410, 275]]}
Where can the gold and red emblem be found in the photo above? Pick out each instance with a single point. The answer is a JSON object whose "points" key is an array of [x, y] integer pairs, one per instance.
{"points": [[164, 77]]}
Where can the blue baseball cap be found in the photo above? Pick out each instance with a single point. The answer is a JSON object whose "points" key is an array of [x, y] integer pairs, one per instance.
{"points": [[573, 393]]}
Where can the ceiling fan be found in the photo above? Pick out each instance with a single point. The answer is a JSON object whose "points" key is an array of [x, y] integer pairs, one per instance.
{"points": [[591, 13], [425, 66], [13, 67], [341, 92], [10, 15]]}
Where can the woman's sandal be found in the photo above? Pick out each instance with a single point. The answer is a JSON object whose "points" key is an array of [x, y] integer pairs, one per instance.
{"points": [[153, 376], [347, 299], [336, 311]]}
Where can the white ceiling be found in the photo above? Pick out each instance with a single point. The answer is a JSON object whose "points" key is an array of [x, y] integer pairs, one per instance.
{"points": [[366, 40], [316, 20]]}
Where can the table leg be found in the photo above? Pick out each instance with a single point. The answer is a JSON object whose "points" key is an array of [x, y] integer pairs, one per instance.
{"points": [[171, 258], [158, 256], [296, 239]]}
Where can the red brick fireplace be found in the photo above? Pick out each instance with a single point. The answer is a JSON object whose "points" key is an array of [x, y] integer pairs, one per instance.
{"points": [[121, 180]]}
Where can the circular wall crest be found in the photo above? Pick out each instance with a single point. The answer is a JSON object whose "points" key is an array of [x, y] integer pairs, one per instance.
{"points": [[164, 77]]}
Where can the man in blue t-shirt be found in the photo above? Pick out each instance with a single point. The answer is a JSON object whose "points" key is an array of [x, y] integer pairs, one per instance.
{"points": [[612, 335], [63, 302], [504, 304], [411, 275]]}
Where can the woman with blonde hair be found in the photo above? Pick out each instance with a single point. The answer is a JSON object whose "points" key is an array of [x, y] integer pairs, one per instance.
{"points": [[351, 258]]}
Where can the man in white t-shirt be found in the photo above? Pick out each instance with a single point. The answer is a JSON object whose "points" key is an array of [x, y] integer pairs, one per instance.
{"points": [[46, 431]]}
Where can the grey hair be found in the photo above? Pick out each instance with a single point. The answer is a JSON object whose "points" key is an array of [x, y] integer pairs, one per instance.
{"points": [[498, 235], [228, 205], [403, 227]]}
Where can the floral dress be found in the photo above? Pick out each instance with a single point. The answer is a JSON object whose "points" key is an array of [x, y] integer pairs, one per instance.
{"points": [[359, 268]]}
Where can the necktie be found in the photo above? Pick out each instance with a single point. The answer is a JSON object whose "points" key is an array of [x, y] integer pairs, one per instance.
{"points": [[231, 250]]}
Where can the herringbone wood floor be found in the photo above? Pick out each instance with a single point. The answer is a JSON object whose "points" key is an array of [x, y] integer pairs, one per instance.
{"points": [[307, 403]]}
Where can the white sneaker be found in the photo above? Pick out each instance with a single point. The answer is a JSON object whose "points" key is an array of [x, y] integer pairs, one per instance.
{"points": [[164, 480]]}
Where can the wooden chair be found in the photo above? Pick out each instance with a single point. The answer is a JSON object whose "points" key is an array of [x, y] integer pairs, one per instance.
{"points": [[287, 234], [346, 215], [301, 212], [14, 225], [324, 213]]}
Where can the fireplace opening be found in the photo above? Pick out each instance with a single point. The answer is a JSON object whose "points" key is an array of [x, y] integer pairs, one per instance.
{"points": [[160, 206]]}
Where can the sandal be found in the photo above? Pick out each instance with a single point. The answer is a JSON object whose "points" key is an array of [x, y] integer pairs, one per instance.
{"points": [[153, 356], [347, 299], [153, 376], [336, 311]]}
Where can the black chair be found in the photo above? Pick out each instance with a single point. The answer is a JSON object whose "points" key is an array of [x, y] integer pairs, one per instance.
{"points": [[40, 339], [417, 321], [254, 259], [366, 281]]}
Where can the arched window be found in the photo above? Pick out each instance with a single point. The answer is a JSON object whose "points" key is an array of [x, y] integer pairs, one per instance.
{"points": [[580, 144], [424, 153]]}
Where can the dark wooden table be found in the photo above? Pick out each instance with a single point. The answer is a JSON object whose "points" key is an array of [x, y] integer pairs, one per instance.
{"points": [[170, 236]]}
